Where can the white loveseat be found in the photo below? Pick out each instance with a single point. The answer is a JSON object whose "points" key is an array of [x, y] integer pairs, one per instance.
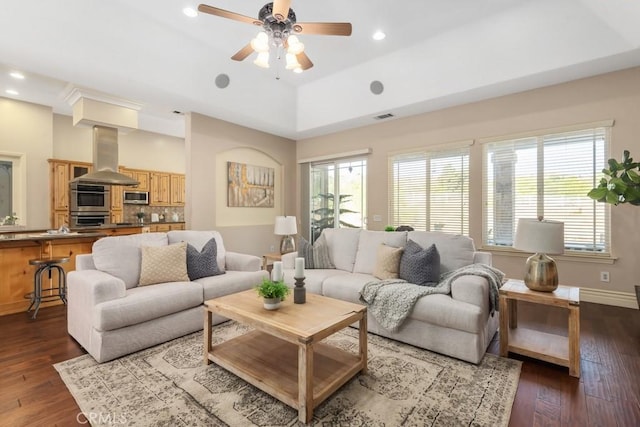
{"points": [[458, 325], [110, 315]]}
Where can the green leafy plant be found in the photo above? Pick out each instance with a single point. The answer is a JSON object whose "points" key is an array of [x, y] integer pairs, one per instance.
{"points": [[140, 215], [270, 289], [324, 217], [621, 184], [389, 228], [10, 219]]}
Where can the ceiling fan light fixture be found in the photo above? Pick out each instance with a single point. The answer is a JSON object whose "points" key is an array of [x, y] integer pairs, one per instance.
{"points": [[297, 70], [261, 42], [294, 45], [292, 62], [262, 60]]}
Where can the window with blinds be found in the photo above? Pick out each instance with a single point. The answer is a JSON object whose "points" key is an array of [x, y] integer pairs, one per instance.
{"points": [[429, 190], [548, 176]]}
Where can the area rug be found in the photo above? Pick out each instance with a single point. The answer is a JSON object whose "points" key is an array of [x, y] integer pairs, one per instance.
{"points": [[169, 385]]}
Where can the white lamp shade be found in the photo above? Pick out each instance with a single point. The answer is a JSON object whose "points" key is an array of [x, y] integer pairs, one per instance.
{"points": [[261, 42], [292, 62], [537, 236], [285, 226], [262, 60]]}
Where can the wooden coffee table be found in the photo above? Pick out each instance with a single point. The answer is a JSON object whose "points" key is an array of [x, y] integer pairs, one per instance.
{"points": [[283, 355]]}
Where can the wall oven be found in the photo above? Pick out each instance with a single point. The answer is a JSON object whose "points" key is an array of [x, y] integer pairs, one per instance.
{"points": [[89, 198], [88, 219]]}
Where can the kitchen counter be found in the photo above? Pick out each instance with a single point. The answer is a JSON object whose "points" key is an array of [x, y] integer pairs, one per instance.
{"points": [[43, 235], [17, 247]]}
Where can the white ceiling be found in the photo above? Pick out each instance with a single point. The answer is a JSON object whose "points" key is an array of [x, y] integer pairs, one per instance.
{"points": [[437, 53]]}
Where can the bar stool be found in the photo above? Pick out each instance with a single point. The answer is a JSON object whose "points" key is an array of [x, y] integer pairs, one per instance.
{"points": [[47, 265]]}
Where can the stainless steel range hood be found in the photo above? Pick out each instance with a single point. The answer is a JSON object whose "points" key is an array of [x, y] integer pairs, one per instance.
{"points": [[105, 160]]}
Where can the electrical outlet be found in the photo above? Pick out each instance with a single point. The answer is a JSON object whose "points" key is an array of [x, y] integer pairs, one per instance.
{"points": [[377, 218], [272, 248], [604, 276]]}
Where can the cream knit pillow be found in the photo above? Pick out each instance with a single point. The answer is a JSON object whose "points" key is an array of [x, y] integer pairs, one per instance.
{"points": [[164, 264], [387, 262]]}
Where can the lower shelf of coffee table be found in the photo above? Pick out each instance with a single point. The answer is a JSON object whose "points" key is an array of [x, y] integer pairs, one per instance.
{"points": [[271, 364]]}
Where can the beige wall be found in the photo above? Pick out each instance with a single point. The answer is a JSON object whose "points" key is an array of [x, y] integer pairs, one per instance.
{"points": [[137, 149], [610, 96], [26, 128], [209, 144]]}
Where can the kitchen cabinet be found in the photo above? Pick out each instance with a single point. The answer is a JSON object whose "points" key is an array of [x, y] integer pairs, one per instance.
{"points": [[159, 189], [117, 205], [59, 186], [61, 172], [164, 227], [78, 169], [139, 175], [177, 190]]}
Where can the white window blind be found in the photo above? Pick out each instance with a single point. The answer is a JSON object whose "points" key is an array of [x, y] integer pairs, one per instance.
{"points": [[549, 176], [429, 190]]}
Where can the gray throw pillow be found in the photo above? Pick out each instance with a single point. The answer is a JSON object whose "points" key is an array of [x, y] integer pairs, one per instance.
{"points": [[420, 266], [203, 263], [316, 255]]}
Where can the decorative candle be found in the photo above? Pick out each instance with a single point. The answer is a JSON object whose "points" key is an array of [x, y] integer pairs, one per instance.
{"points": [[276, 273], [299, 267]]}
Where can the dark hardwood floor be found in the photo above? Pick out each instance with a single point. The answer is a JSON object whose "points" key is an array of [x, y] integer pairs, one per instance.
{"points": [[607, 394]]}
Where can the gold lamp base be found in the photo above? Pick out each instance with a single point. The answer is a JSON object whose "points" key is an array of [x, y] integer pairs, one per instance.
{"points": [[541, 274], [287, 244]]}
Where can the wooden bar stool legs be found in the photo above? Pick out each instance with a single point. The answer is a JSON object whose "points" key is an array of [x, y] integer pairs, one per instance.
{"points": [[60, 291]]}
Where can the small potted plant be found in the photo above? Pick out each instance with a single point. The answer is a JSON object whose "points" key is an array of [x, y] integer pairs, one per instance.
{"points": [[10, 219], [273, 293], [140, 216]]}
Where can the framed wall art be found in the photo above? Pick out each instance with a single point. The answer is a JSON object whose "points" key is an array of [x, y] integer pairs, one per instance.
{"points": [[250, 186]]}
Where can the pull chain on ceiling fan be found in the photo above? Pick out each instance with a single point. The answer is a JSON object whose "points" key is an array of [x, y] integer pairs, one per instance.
{"points": [[279, 24]]}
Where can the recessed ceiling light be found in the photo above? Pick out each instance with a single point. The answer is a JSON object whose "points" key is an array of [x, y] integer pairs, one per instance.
{"points": [[11, 92], [379, 35], [190, 12], [17, 75]]}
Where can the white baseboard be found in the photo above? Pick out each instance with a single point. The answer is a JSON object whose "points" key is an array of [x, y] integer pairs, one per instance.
{"points": [[601, 296]]}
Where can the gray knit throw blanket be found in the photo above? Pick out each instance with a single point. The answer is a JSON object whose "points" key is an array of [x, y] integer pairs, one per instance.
{"points": [[391, 301]]}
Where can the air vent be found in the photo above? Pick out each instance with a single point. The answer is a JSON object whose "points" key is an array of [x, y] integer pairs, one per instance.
{"points": [[383, 116]]}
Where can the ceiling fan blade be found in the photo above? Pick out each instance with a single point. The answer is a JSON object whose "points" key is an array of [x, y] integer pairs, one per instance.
{"points": [[323, 28], [281, 9], [243, 53], [229, 15], [305, 62]]}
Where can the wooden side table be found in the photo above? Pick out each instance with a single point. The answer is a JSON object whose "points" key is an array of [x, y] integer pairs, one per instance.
{"points": [[563, 351], [274, 256]]}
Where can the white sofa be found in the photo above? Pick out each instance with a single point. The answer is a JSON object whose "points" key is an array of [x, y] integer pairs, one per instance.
{"points": [[110, 315], [458, 325]]}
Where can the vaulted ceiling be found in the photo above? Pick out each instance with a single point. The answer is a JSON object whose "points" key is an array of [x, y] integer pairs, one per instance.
{"points": [[437, 53]]}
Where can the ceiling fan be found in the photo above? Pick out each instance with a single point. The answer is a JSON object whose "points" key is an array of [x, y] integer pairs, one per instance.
{"points": [[279, 25]]}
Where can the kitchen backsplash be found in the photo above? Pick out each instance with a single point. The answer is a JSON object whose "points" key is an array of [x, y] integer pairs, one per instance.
{"points": [[130, 212]]}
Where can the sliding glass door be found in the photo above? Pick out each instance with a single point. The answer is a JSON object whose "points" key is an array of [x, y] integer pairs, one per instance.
{"points": [[337, 195]]}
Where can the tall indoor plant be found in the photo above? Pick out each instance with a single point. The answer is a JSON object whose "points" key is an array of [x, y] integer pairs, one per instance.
{"points": [[621, 185]]}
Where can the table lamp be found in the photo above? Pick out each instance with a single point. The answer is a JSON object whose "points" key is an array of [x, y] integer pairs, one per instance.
{"points": [[286, 227], [541, 237]]}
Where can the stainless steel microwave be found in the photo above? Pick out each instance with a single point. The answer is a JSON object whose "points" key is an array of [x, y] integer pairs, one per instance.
{"points": [[136, 197]]}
